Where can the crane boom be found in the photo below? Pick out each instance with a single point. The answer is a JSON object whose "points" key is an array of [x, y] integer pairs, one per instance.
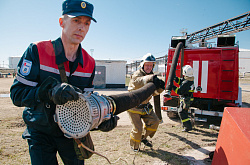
{"points": [[233, 25]]}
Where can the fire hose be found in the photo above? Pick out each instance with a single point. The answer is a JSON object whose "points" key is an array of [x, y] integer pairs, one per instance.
{"points": [[173, 68], [77, 118]]}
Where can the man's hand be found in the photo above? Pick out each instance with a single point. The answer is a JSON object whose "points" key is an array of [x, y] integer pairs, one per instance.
{"points": [[110, 124], [52, 90], [63, 92], [176, 79], [43, 90], [158, 82]]}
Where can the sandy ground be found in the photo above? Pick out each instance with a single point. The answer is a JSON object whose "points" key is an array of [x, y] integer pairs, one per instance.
{"points": [[174, 147], [195, 156]]}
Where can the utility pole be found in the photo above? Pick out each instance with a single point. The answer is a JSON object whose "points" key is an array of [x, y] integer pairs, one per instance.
{"points": [[92, 52]]}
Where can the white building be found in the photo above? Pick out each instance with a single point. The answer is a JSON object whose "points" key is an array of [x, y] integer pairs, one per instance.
{"points": [[110, 74], [13, 62], [244, 61]]}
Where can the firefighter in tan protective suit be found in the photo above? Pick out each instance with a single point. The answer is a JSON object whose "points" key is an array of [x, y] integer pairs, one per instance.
{"points": [[144, 111]]}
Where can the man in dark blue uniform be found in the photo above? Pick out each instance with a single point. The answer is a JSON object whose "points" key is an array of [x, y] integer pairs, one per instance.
{"points": [[38, 85]]}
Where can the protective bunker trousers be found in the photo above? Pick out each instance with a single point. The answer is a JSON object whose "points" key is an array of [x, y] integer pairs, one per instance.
{"points": [[139, 131], [183, 113]]}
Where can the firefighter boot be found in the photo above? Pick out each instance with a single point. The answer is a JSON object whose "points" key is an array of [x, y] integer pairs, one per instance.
{"points": [[187, 126], [185, 120], [186, 129], [135, 150], [147, 143]]}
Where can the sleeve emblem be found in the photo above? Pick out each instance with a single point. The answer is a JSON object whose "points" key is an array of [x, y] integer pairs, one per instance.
{"points": [[26, 67]]}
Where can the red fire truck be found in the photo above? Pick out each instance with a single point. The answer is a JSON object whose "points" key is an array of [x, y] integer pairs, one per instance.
{"points": [[215, 77], [215, 68]]}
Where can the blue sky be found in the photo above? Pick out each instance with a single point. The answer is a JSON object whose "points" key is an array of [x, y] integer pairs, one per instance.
{"points": [[125, 30]]}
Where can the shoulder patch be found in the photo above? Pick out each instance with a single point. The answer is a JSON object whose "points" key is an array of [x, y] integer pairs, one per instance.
{"points": [[26, 67]]}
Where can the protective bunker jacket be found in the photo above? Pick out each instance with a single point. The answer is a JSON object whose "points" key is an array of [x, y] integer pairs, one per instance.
{"points": [[186, 88], [138, 80]]}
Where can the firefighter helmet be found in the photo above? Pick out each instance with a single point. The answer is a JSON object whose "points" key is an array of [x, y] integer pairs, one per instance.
{"points": [[187, 70], [147, 58]]}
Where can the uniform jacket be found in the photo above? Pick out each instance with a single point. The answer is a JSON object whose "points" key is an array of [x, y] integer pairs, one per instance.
{"points": [[37, 63]]}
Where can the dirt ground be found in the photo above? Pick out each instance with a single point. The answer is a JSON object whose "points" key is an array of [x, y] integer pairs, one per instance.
{"points": [[170, 145]]}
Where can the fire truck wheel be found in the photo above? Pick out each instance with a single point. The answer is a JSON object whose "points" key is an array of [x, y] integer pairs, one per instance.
{"points": [[172, 115]]}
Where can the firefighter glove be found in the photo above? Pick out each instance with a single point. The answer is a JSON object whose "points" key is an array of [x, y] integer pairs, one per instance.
{"points": [[110, 124], [63, 92], [158, 82], [43, 90], [175, 78], [162, 84]]}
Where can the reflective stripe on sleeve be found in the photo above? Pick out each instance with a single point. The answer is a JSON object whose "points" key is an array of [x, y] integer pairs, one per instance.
{"points": [[88, 89], [179, 80], [185, 120], [176, 90], [26, 82]]}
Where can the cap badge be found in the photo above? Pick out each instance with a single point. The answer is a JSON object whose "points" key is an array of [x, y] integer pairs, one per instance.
{"points": [[83, 5]]}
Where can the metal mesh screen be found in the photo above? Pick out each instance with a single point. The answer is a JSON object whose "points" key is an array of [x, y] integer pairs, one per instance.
{"points": [[77, 118], [74, 118]]}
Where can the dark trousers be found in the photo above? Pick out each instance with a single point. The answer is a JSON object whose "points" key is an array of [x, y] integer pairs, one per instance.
{"points": [[183, 112], [43, 148]]}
